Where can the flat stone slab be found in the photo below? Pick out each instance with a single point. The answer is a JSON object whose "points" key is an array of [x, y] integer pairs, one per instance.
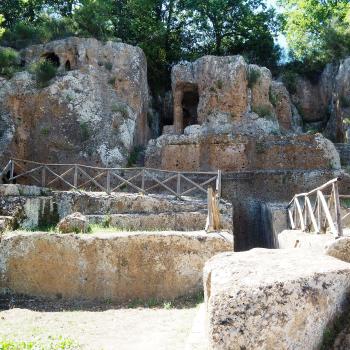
{"points": [[298, 239], [273, 299], [108, 266]]}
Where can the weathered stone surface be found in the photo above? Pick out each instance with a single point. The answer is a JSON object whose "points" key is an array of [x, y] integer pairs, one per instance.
{"points": [[339, 249], [118, 267], [239, 152], [310, 241], [273, 299], [73, 223], [221, 93], [94, 111]]}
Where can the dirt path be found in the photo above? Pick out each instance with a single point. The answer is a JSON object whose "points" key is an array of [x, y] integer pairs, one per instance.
{"points": [[118, 329]]}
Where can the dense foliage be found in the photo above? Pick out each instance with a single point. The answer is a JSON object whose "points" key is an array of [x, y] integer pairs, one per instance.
{"points": [[167, 30], [317, 31]]}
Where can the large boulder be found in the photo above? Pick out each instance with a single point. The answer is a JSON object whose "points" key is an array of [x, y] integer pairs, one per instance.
{"points": [[94, 111], [119, 267], [273, 299]]}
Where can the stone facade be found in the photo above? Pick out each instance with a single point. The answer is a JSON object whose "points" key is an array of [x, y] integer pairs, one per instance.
{"points": [[241, 153]]}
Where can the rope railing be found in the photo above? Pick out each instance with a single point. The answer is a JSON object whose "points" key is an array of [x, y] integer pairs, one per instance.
{"points": [[317, 212], [90, 178]]}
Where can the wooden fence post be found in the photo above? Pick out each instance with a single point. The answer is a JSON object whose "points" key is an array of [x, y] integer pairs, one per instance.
{"points": [[108, 185], [43, 176], [178, 184], [75, 180], [337, 209]]}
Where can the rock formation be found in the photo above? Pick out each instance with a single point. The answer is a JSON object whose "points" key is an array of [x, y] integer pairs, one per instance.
{"points": [[273, 299], [325, 103], [94, 111], [232, 116]]}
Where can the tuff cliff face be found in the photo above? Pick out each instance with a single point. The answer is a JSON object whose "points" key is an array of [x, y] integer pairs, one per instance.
{"points": [[233, 116], [94, 111], [325, 104]]}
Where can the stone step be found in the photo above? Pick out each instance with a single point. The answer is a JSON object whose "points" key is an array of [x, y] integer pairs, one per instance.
{"points": [[180, 221], [124, 203]]}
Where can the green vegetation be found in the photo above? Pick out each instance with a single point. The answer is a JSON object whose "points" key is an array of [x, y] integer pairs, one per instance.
{"points": [[317, 32], [253, 77], [9, 62], [43, 71], [289, 78], [177, 303], [167, 31], [264, 112], [108, 65], [344, 101], [135, 155], [120, 108], [272, 97], [51, 344], [45, 131], [85, 131]]}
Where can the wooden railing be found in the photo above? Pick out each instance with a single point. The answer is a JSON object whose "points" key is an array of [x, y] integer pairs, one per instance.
{"points": [[316, 211], [89, 178]]}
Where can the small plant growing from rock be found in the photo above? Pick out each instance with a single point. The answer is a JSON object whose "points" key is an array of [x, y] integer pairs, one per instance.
{"points": [[45, 131], [272, 97], [112, 81], [219, 84], [135, 155], [253, 77], [9, 62], [289, 79], [85, 132], [263, 111], [108, 65], [344, 101], [119, 108], [44, 71]]}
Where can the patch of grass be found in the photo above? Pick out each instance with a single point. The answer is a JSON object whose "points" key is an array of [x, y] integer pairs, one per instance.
{"points": [[212, 89], [253, 77], [52, 343], [107, 221], [345, 202], [43, 71], [134, 155]]}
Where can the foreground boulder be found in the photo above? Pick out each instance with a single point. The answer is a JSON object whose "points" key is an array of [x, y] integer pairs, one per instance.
{"points": [[273, 299], [118, 267], [74, 223]]}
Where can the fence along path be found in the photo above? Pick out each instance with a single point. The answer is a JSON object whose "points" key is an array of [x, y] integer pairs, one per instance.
{"points": [[84, 177], [316, 211]]}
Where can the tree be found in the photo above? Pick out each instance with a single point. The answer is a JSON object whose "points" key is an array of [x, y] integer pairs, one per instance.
{"points": [[231, 26], [317, 30]]}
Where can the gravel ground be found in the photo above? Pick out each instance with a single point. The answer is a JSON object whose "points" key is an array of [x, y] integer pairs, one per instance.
{"points": [[98, 327]]}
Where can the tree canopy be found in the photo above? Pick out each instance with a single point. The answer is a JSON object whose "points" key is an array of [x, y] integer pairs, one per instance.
{"points": [[167, 30], [317, 31]]}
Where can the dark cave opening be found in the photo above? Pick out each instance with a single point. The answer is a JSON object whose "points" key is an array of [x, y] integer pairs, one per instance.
{"points": [[190, 102], [52, 58]]}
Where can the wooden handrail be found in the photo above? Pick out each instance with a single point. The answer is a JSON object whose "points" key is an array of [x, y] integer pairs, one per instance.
{"points": [[78, 176], [325, 214]]}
